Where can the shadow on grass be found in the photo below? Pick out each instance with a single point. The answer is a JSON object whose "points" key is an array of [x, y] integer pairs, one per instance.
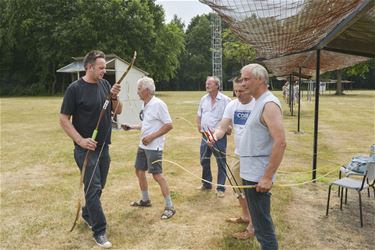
{"points": [[229, 243]]}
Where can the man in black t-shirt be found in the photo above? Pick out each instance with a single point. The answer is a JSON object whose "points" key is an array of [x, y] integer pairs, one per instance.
{"points": [[83, 102]]}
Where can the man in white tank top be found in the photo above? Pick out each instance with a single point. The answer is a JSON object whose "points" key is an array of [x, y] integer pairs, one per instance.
{"points": [[261, 150]]}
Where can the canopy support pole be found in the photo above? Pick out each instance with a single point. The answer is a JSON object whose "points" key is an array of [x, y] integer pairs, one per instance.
{"points": [[316, 117], [290, 95], [299, 100]]}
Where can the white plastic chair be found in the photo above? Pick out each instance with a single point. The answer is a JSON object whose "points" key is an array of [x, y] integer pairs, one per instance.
{"points": [[367, 181]]}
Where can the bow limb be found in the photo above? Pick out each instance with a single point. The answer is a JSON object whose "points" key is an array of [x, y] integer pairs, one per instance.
{"points": [[123, 77], [129, 68], [83, 171], [77, 215], [85, 163]]}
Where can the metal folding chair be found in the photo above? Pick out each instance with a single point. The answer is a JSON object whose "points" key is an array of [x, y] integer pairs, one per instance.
{"points": [[356, 167], [347, 173], [367, 181]]}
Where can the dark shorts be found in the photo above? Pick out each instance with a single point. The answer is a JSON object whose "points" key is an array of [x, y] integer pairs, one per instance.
{"points": [[146, 157]]}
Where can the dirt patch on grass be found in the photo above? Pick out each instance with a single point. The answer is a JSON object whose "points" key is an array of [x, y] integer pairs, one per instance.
{"points": [[312, 229]]}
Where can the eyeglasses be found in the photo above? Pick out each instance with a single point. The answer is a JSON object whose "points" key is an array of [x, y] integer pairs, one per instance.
{"points": [[141, 115]]}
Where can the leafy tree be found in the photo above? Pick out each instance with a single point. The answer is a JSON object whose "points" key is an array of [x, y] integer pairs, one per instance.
{"points": [[196, 61], [37, 37], [236, 54], [171, 44], [360, 69], [30, 43], [339, 89], [236, 50], [178, 21]]}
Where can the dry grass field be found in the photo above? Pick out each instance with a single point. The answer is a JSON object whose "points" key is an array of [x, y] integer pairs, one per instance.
{"points": [[39, 182]]}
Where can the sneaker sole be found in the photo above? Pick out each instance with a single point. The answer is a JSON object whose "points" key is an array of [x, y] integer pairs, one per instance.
{"points": [[109, 245]]}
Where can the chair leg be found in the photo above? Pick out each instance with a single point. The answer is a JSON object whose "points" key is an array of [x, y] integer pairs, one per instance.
{"points": [[360, 207], [346, 196], [329, 196], [341, 198], [339, 189]]}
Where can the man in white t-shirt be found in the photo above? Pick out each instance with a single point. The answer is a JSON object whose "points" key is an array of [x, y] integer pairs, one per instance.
{"points": [[236, 114], [156, 122]]}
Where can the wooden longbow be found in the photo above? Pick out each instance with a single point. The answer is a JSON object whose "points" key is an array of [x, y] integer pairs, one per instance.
{"points": [[94, 134]]}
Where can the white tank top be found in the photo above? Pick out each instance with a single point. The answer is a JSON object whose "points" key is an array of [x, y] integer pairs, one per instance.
{"points": [[256, 142]]}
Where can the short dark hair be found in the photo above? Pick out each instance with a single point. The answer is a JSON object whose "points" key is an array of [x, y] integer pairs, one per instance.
{"points": [[237, 80], [91, 57]]}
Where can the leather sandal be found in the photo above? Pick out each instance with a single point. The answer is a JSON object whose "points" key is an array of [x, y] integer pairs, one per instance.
{"points": [[243, 235], [238, 220], [141, 203], [168, 213]]}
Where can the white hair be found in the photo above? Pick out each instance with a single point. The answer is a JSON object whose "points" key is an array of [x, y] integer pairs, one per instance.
{"points": [[257, 70], [147, 83], [216, 80]]}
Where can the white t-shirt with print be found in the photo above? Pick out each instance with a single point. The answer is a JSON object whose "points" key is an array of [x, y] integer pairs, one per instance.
{"points": [[238, 114], [155, 115]]}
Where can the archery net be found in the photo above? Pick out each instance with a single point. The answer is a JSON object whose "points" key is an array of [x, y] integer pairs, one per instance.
{"points": [[284, 32]]}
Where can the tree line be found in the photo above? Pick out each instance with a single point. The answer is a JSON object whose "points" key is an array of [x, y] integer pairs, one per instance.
{"points": [[37, 37]]}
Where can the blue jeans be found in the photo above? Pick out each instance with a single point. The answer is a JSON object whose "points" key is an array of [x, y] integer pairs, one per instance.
{"points": [[260, 211], [92, 211], [205, 154]]}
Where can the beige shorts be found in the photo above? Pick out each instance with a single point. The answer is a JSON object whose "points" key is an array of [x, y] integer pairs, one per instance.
{"points": [[236, 173]]}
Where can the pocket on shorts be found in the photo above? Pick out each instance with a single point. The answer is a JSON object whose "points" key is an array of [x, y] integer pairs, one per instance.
{"points": [[155, 167]]}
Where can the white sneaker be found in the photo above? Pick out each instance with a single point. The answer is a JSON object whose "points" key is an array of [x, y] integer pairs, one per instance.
{"points": [[220, 194], [102, 241]]}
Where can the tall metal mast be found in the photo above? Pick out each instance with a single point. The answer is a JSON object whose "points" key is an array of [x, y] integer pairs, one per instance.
{"points": [[216, 47]]}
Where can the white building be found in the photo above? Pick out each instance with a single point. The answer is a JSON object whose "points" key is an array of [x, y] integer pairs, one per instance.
{"points": [[128, 95]]}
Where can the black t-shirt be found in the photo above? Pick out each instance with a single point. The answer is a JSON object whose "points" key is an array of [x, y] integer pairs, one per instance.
{"points": [[84, 101]]}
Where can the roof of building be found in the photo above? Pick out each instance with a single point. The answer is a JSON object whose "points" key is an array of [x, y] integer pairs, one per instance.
{"points": [[77, 65]]}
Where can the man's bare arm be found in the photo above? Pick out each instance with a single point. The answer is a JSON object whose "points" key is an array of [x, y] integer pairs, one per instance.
{"points": [[69, 129], [223, 127], [162, 131], [116, 104], [272, 117]]}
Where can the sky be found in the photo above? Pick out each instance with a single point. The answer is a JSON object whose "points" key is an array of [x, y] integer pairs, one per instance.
{"points": [[184, 9]]}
